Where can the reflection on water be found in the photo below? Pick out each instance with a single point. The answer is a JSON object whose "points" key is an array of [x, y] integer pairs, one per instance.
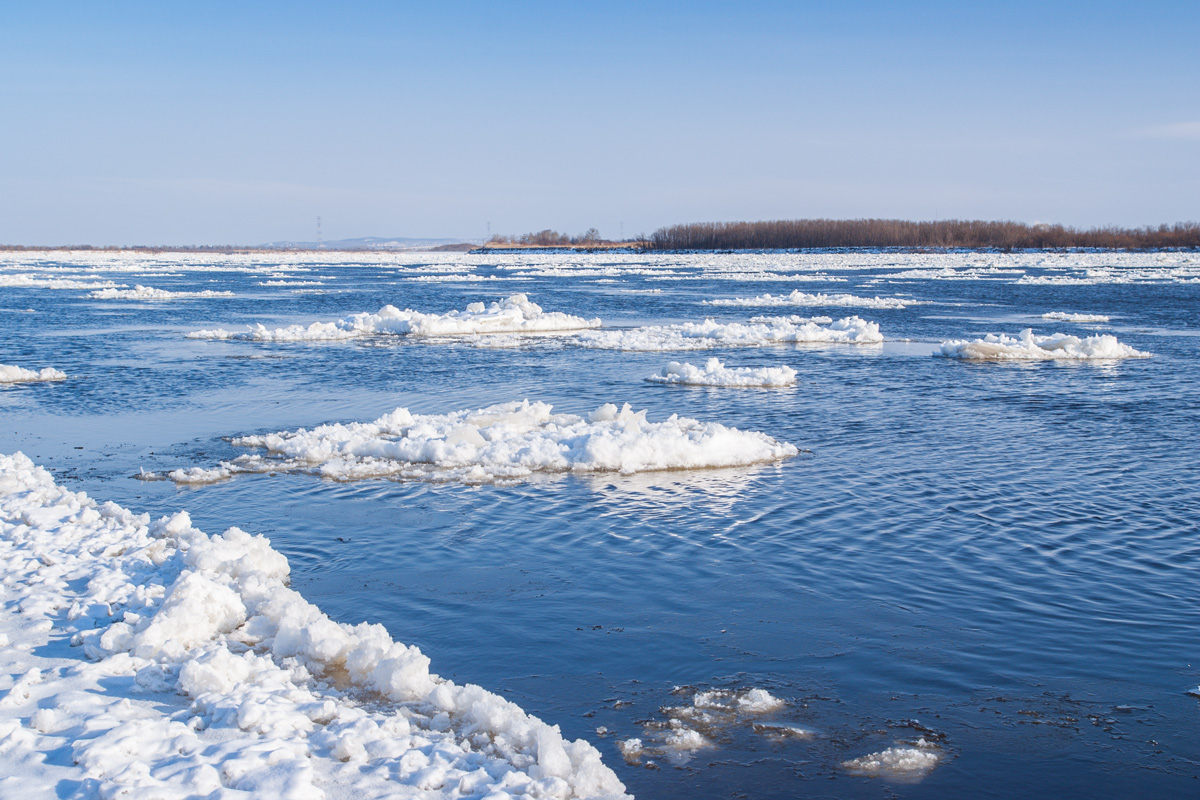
{"points": [[999, 560]]}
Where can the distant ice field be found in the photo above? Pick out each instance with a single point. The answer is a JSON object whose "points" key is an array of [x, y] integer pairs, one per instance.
{"points": [[968, 574]]}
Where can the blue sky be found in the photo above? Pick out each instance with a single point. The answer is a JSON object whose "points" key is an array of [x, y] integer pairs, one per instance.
{"points": [[160, 123]]}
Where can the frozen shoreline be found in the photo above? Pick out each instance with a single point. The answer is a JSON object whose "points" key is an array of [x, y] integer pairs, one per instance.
{"points": [[148, 659]]}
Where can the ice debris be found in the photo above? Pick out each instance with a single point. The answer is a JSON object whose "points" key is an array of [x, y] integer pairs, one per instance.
{"points": [[513, 314], [1062, 316], [11, 374], [903, 762], [504, 442], [205, 675], [799, 298], [1030, 347], [139, 292], [714, 373], [698, 725], [710, 333]]}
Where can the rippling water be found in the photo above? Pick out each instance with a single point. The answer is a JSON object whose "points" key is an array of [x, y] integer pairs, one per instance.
{"points": [[1002, 558]]}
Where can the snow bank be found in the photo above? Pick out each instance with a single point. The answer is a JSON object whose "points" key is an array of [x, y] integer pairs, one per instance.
{"points": [[714, 373], [1062, 316], [509, 441], [196, 671], [902, 762], [1029, 347], [139, 292], [10, 374], [514, 314], [710, 333], [700, 724], [799, 298]]}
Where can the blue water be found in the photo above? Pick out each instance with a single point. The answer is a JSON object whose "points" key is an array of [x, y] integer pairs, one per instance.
{"points": [[1004, 557]]}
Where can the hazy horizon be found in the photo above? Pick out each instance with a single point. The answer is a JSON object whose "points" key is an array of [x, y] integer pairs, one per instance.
{"points": [[139, 124]]}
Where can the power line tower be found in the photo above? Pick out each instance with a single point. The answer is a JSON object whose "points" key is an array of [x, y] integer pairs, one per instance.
{"points": [[320, 241]]}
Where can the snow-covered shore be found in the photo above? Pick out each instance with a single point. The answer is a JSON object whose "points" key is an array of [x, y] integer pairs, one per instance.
{"points": [[144, 659]]}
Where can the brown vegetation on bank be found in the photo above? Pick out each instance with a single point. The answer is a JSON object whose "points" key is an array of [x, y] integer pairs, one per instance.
{"points": [[969, 234]]}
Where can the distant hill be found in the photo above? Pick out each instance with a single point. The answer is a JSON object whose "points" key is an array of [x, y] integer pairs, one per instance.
{"points": [[370, 243]]}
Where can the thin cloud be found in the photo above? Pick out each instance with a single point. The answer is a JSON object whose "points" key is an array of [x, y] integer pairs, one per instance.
{"points": [[1189, 130]]}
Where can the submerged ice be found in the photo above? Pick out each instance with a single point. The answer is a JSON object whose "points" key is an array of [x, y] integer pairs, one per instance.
{"points": [[508, 441], [205, 675]]}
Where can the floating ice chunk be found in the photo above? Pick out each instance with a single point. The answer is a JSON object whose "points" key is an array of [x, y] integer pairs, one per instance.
{"points": [[902, 762], [710, 333], [11, 374], [1062, 316], [139, 292], [209, 625], [794, 319], [32, 281], [799, 298], [513, 314], [504, 442], [701, 723], [714, 373], [291, 283], [1030, 347]]}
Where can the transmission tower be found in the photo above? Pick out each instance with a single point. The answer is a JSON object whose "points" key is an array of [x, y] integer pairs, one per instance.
{"points": [[320, 241]]}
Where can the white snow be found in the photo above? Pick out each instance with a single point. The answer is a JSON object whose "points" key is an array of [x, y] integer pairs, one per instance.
{"points": [[902, 762], [513, 314], [11, 374], [710, 333], [139, 292], [1063, 316], [504, 442], [150, 660], [714, 373], [1029, 347], [799, 298]]}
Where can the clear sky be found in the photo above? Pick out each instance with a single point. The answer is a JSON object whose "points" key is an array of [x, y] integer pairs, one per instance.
{"points": [[216, 123]]}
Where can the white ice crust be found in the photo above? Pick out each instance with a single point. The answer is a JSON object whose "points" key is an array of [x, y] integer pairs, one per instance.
{"points": [[799, 298], [714, 373], [1063, 316], [710, 333], [513, 314], [504, 442], [11, 374], [1029, 347], [195, 671], [139, 292]]}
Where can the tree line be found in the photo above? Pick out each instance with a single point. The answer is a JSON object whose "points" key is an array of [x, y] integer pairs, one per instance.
{"points": [[973, 234]]}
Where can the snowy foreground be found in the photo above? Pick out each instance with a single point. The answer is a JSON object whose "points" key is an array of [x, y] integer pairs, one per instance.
{"points": [[145, 659], [1030, 347], [504, 442], [513, 314]]}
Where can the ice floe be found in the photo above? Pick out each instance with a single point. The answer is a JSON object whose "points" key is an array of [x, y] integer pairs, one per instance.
{"points": [[714, 373], [710, 333], [11, 374], [139, 292], [1027, 346], [504, 442], [1063, 316], [513, 314], [903, 762], [699, 725], [196, 671], [799, 298]]}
